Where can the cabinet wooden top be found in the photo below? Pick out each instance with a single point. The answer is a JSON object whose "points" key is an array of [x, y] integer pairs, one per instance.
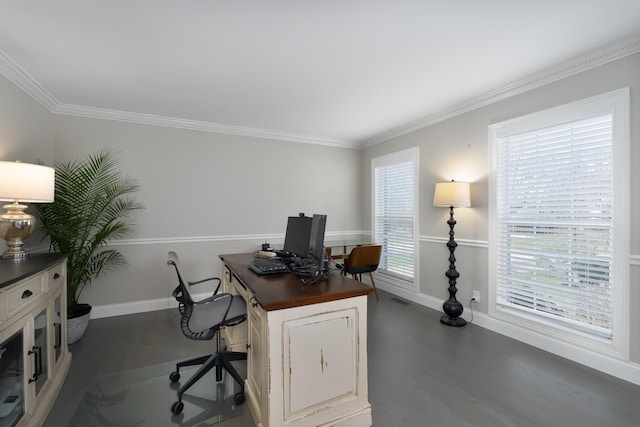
{"points": [[286, 290], [14, 270]]}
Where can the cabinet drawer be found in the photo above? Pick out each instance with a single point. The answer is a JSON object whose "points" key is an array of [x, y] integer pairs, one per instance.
{"points": [[21, 295], [57, 276]]}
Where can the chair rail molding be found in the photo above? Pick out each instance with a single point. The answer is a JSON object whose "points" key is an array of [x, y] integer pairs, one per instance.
{"points": [[230, 238], [460, 242]]}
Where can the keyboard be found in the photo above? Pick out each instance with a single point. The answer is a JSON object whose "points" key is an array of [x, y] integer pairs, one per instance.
{"points": [[268, 266]]}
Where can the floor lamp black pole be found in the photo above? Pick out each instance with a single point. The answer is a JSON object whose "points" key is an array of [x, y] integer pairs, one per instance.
{"points": [[452, 307]]}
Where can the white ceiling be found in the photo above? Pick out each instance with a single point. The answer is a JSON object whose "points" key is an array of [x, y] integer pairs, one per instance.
{"points": [[330, 71]]}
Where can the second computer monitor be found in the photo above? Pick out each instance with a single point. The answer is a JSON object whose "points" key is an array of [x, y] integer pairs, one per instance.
{"points": [[316, 242]]}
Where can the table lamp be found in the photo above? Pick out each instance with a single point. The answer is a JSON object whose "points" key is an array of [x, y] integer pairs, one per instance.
{"points": [[452, 194], [22, 182]]}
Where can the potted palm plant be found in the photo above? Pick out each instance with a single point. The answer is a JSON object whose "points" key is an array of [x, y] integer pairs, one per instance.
{"points": [[93, 206]]}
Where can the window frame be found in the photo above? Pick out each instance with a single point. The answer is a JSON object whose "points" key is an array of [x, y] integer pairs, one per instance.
{"points": [[616, 103], [408, 155]]}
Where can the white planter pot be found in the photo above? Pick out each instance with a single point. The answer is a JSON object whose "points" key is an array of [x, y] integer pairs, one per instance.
{"points": [[77, 323]]}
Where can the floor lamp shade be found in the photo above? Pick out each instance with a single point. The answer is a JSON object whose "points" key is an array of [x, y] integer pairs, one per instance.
{"points": [[22, 182], [452, 194]]}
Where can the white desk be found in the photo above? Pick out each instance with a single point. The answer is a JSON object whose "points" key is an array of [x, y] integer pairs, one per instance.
{"points": [[306, 345]]}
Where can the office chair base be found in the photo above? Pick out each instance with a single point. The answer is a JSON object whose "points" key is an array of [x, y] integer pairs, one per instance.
{"points": [[219, 361], [178, 406]]}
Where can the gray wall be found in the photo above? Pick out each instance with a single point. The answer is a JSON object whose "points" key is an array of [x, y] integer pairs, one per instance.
{"points": [[26, 127], [458, 149], [207, 194]]}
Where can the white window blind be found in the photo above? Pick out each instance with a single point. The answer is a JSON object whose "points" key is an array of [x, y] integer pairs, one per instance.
{"points": [[394, 213], [555, 220]]}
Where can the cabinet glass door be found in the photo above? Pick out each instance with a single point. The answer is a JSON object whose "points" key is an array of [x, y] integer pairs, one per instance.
{"points": [[39, 351], [57, 326], [11, 373]]}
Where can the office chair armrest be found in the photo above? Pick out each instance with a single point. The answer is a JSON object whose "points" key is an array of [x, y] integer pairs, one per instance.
{"points": [[213, 298], [207, 280]]}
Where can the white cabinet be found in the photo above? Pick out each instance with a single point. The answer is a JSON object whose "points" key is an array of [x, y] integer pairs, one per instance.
{"points": [[34, 357], [306, 364], [322, 379]]}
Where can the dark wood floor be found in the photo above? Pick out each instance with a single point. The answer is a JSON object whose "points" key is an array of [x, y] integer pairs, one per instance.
{"points": [[421, 373]]}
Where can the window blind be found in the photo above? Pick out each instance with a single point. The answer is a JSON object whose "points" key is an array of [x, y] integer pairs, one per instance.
{"points": [[555, 224], [394, 211]]}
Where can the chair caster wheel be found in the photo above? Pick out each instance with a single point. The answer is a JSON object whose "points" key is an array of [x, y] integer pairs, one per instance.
{"points": [[177, 407], [174, 377], [238, 398]]}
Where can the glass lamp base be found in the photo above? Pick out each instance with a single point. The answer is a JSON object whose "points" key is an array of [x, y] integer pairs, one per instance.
{"points": [[15, 227]]}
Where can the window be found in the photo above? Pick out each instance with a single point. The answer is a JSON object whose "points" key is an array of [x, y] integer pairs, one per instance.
{"points": [[559, 221], [394, 182]]}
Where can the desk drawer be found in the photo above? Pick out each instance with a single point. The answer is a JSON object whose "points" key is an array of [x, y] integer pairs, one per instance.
{"points": [[233, 285], [235, 336], [23, 294]]}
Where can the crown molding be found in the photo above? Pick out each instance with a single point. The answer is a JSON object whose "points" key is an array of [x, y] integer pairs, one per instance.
{"points": [[149, 119], [24, 81], [28, 84], [581, 63], [578, 64]]}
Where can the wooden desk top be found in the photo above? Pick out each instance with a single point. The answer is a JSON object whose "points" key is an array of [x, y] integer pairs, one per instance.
{"points": [[279, 291]]}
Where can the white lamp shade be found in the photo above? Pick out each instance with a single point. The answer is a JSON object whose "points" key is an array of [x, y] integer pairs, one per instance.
{"points": [[452, 193], [26, 182]]}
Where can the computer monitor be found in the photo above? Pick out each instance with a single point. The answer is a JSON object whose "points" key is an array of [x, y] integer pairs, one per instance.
{"points": [[297, 236], [316, 242]]}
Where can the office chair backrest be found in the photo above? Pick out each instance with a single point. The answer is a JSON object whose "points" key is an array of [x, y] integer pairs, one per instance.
{"points": [[363, 259], [202, 319], [181, 292]]}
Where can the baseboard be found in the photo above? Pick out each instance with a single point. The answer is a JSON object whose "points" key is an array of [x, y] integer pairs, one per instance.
{"points": [[110, 310]]}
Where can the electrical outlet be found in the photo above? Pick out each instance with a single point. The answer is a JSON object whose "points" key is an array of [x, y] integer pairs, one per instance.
{"points": [[476, 296]]}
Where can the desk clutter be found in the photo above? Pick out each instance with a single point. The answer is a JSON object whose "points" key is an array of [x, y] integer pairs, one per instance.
{"points": [[302, 267], [268, 266], [303, 253]]}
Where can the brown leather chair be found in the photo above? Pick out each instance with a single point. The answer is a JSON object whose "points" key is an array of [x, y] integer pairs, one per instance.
{"points": [[363, 259]]}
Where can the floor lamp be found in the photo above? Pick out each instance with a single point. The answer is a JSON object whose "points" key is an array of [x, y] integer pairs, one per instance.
{"points": [[452, 194]]}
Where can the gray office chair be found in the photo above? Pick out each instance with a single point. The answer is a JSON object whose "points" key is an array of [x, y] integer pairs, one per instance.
{"points": [[202, 320]]}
